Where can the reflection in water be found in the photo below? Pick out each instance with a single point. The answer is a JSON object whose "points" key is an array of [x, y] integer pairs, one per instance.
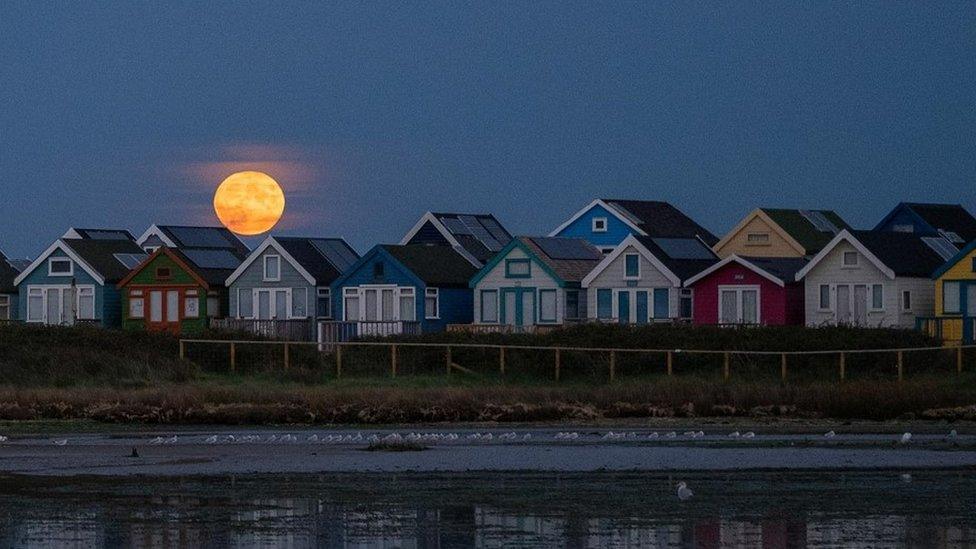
{"points": [[494, 510]]}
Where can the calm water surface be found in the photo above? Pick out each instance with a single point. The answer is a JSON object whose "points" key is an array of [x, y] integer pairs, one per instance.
{"points": [[877, 509]]}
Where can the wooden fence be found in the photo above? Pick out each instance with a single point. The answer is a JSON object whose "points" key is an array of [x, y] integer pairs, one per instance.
{"points": [[291, 330], [394, 349]]}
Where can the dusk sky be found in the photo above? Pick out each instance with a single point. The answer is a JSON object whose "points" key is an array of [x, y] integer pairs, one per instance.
{"points": [[122, 114]]}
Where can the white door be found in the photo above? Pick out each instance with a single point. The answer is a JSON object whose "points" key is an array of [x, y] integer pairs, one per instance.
{"points": [[730, 307], [264, 305], [843, 304], [173, 306], [281, 304], [155, 306], [750, 306], [509, 308], [54, 306], [860, 305]]}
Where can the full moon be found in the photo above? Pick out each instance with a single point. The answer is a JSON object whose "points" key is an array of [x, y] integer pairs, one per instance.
{"points": [[249, 203]]}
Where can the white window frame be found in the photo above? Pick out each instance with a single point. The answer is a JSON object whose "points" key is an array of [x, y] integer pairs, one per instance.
{"points": [[327, 294], [690, 295], [762, 239], [359, 293], [71, 266], [5, 302], [137, 296], [906, 304], [436, 294], [830, 298], [739, 289], [272, 302], [598, 224], [264, 273], [481, 306], [871, 307], [43, 288], [959, 286], [555, 306], [606, 250], [843, 259], [150, 249], [638, 275], [192, 296]]}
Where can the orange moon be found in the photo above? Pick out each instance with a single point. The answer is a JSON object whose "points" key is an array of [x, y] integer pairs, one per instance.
{"points": [[249, 203]]}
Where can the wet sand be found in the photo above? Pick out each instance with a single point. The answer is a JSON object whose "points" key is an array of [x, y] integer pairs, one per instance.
{"points": [[264, 451]]}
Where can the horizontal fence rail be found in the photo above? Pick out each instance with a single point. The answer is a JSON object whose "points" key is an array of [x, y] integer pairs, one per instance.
{"points": [[607, 363]]}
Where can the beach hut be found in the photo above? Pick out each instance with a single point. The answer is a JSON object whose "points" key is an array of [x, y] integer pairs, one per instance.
{"points": [[780, 232], [955, 298], [477, 236], [749, 290]]}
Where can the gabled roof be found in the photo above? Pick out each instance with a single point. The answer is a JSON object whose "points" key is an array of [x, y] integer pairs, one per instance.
{"points": [[101, 256], [8, 272], [962, 254], [941, 217], [184, 237], [649, 218], [570, 270], [480, 235], [319, 260], [894, 253], [97, 234], [802, 226], [433, 265], [687, 256], [177, 258], [780, 270]]}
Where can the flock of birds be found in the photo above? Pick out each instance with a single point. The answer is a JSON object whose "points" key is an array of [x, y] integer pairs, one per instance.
{"points": [[433, 438]]}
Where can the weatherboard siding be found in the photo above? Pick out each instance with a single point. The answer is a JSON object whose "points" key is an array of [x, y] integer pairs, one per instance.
{"points": [[831, 271], [582, 227], [253, 277], [961, 271], [650, 277], [428, 234], [147, 281], [539, 279], [39, 277], [739, 242]]}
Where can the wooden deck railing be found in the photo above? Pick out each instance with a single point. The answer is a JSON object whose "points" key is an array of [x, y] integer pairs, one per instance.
{"points": [[949, 329], [287, 330], [500, 329], [337, 331]]}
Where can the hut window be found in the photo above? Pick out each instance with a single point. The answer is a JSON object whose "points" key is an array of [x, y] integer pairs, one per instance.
{"points": [[974, 265], [631, 266], [824, 297], [850, 259], [903, 228], [191, 304], [757, 239], [877, 297], [906, 300], [163, 273], [272, 268], [408, 304], [599, 224], [547, 305], [60, 267], [518, 268], [323, 303], [685, 304], [213, 306], [137, 304], [951, 297], [604, 304], [572, 304], [350, 304], [4, 307], [489, 306], [432, 303], [86, 303], [35, 305]]}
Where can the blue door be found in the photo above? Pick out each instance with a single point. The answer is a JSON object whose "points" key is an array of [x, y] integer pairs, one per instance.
{"points": [[661, 307], [623, 307], [641, 307]]}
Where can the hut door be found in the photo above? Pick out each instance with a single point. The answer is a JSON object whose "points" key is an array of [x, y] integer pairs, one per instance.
{"points": [[843, 304], [861, 305], [173, 310]]}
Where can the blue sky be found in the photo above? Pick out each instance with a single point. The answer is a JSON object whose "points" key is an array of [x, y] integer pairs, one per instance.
{"points": [[128, 113]]}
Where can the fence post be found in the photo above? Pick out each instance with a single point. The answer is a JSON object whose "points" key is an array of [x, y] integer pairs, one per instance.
{"points": [[558, 361], [726, 370], [338, 361], [447, 356], [959, 359], [233, 357], [613, 365], [843, 366], [393, 360], [182, 350], [901, 367], [782, 366], [501, 360], [670, 363], [287, 356]]}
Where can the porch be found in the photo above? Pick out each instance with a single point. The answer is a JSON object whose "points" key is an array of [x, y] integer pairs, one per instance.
{"points": [[948, 329]]}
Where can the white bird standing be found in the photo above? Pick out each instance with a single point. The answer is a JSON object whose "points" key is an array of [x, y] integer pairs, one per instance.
{"points": [[212, 439], [170, 440], [3, 438], [749, 434], [60, 441], [684, 493], [672, 434], [734, 434], [830, 434], [653, 435], [906, 438]]}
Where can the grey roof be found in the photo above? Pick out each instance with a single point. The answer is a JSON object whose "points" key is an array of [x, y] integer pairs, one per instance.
{"points": [[683, 268], [100, 255], [184, 236], [8, 272], [570, 270], [783, 268], [660, 219], [904, 253], [309, 254], [798, 225], [102, 234], [435, 265], [480, 234], [947, 217]]}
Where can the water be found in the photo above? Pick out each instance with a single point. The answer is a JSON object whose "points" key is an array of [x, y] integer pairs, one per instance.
{"points": [[747, 509]]}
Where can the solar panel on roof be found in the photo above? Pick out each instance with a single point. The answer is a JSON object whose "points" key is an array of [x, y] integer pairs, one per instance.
{"points": [[684, 248], [941, 246], [130, 261], [454, 226], [952, 236], [819, 221], [480, 232], [98, 234], [565, 248], [200, 237], [496, 230], [336, 252], [212, 259]]}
